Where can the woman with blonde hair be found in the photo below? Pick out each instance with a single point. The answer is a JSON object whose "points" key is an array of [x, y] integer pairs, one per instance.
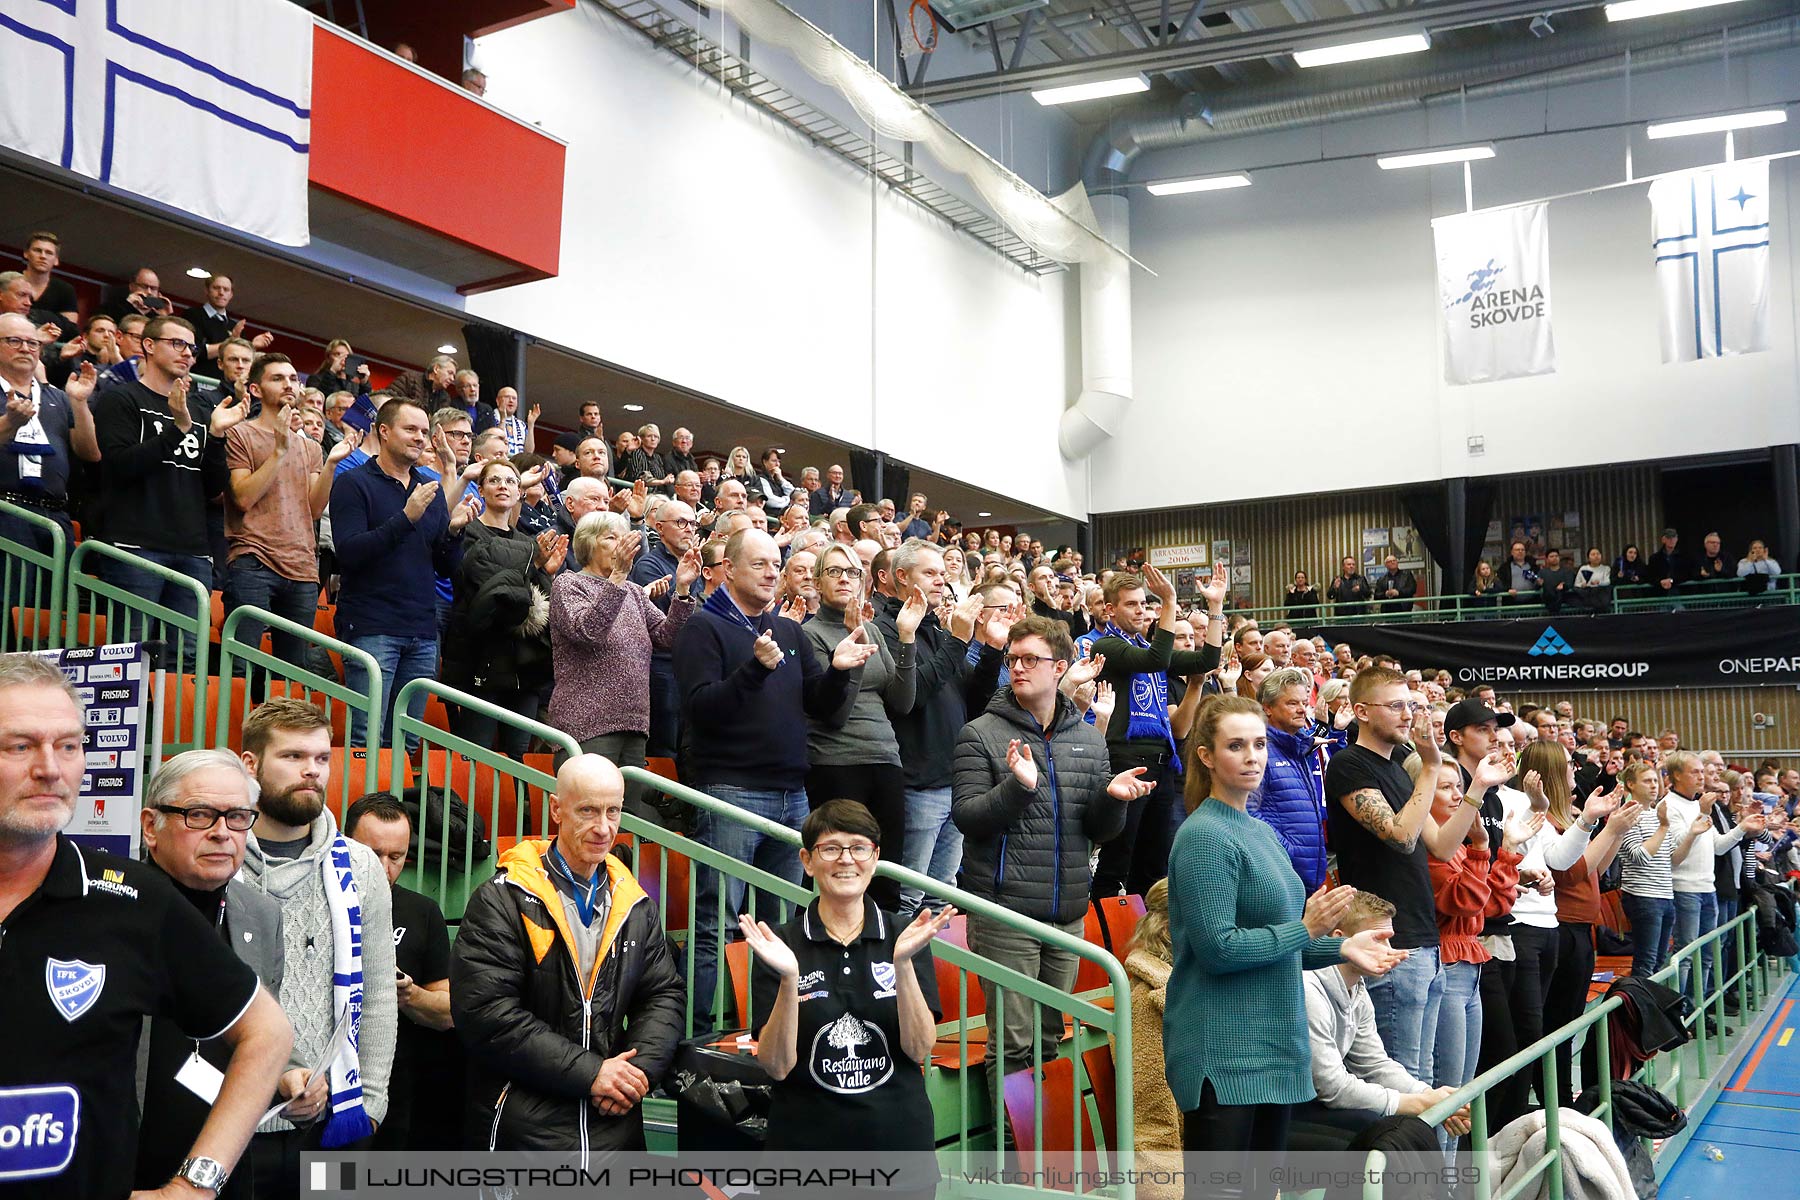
{"points": [[956, 573], [1647, 871], [334, 374], [1156, 1121], [739, 467], [1243, 929], [1549, 774]]}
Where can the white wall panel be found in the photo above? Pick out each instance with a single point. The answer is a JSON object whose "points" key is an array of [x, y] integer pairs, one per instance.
{"points": [[706, 245]]}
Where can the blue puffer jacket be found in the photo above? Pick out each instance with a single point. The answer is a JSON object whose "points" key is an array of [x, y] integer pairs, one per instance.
{"points": [[1290, 803]]}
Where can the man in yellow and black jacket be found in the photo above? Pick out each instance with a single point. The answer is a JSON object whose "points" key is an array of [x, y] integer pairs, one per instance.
{"points": [[564, 990]]}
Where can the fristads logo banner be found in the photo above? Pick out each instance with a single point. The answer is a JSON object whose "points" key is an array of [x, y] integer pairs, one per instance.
{"points": [[1494, 294], [1738, 647], [1710, 231]]}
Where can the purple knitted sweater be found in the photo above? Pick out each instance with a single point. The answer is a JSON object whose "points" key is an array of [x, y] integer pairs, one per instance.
{"points": [[601, 635]]}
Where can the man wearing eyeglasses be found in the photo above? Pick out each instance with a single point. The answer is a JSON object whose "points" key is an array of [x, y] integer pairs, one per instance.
{"points": [[162, 457], [1379, 822], [42, 430], [198, 809], [676, 534], [1032, 794]]}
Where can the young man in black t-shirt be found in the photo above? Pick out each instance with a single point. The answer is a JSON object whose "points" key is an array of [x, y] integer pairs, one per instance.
{"points": [[162, 456], [1380, 825], [425, 1099]]}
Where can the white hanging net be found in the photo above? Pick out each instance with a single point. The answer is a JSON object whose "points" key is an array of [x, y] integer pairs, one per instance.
{"points": [[1061, 230]]}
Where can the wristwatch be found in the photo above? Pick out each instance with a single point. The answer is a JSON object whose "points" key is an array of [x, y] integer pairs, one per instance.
{"points": [[204, 1173]]}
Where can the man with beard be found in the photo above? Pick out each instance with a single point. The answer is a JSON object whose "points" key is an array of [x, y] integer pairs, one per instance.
{"points": [[197, 813], [337, 926]]}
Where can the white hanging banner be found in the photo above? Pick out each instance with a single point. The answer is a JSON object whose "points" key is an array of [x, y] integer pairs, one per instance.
{"points": [[1710, 233], [1494, 291], [205, 105]]}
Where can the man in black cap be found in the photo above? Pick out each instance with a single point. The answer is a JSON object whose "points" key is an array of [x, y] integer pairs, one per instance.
{"points": [[1669, 567], [1472, 730]]}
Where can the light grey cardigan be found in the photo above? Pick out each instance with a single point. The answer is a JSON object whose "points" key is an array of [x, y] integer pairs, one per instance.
{"points": [[863, 733]]}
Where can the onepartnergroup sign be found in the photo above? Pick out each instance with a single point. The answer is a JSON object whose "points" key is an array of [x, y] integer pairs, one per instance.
{"points": [[1706, 648]]}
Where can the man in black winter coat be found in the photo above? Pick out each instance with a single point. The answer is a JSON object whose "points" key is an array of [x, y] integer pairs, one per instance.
{"points": [[1034, 791], [562, 985], [949, 686]]}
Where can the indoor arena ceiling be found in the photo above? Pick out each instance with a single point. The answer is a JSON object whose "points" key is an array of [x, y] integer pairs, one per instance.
{"points": [[1186, 46]]}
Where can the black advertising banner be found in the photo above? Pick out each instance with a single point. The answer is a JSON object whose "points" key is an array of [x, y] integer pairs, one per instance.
{"points": [[1734, 647]]}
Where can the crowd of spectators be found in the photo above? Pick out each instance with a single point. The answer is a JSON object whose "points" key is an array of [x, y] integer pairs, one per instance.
{"points": [[1562, 581], [1399, 879]]}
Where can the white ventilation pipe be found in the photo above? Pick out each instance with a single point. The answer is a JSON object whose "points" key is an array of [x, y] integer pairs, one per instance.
{"points": [[1106, 388]]}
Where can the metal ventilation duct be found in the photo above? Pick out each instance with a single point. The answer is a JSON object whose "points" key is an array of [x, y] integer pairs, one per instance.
{"points": [[1485, 71]]}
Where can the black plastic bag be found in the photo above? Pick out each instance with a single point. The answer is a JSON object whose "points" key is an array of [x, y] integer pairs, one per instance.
{"points": [[721, 1099]]}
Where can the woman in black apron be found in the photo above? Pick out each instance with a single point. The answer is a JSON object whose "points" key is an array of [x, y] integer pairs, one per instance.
{"points": [[845, 1007]]}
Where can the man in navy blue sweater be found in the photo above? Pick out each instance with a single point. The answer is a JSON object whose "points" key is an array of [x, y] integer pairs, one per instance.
{"points": [[748, 683], [394, 536]]}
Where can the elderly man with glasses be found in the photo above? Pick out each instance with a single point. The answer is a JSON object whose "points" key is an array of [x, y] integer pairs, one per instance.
{"points": [[43, 430], [675, 533], [198, 810], [162, 455]]}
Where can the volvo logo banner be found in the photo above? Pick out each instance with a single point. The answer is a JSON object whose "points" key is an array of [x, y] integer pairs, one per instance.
{"points": [[1734, 647]]}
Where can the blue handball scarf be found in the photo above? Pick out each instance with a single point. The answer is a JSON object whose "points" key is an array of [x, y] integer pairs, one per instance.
{"points": [[1149, 700], [347, 1122]]}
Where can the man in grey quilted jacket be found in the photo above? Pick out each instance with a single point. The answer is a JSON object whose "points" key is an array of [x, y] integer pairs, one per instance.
{"points": [[1033, 790]]}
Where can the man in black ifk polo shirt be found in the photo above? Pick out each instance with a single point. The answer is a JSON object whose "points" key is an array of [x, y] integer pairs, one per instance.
{"points": [[90, 945]]}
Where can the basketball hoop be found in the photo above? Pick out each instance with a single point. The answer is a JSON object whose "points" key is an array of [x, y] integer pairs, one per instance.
{"points": [[927, 43]]}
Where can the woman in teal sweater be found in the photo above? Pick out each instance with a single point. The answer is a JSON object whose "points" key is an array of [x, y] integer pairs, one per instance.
{"points": [[1235, 1047]]}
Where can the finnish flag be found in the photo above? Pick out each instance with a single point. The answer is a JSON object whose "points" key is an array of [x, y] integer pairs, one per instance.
{"points": [[1710, 231], [203, 105]]}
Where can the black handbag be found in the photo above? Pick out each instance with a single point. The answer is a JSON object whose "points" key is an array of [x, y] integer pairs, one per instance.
{"points": [[425, 808]]}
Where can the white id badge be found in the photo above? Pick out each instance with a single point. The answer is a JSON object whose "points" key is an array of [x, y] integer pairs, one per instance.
{"points": [[200, 1077]]}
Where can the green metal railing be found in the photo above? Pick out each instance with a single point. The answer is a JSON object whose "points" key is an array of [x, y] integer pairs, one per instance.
{"points": [[1690, 1082], [338, 700], [1497, 606], [32, 585], [99, 611], [484, 779]]}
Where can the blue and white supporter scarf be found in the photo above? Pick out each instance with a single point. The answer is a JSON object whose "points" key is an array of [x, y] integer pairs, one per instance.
{"points": [[347, 1121], [1149, 701]]}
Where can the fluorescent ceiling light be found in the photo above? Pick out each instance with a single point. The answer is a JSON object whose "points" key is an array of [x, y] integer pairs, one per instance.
{"points": [[1205, 183], [984, 514], [1629, 10], [446, 348], [1744, 120], [1432, 158], [199, 273], [1325, 56], [1077, 92], [634, 408]]}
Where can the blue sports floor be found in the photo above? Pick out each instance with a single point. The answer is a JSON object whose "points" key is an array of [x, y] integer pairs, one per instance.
{"points": [[1754, 1124]]}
